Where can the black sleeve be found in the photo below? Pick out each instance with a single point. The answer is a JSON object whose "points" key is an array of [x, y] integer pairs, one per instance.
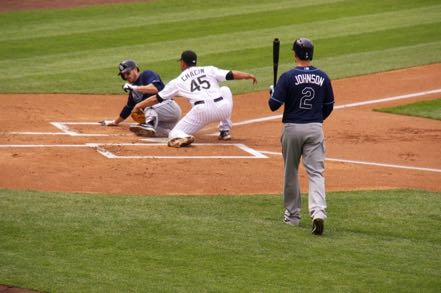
{"points": [[273, 105], [230, 75], [327, 109], [125, 112], [159, 98], [158, 85]]}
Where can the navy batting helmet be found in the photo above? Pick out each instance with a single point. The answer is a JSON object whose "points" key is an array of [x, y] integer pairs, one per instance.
{"points": [[303, 48], [126, 66]]}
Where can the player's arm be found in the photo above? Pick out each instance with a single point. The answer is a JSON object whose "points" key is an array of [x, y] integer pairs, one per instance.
{"points": [[144, 89], [275, 101], [114, 122], [328, 102], [153, 100], [147, 89], [327, 109], [125, 112], [167, 92], [274, 104], [237, 75]]}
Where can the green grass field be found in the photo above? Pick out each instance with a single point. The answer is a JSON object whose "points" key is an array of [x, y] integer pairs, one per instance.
{"points": [[426, 109], [78, 50], [375, 241]]}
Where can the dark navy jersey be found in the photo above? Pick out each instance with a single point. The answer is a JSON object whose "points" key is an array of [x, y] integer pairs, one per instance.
{"points": [[307, 94], [146, 77]]}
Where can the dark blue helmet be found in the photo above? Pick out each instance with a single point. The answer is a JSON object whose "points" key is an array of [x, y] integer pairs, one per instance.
{"points": [[126, 66], [303, 48]]}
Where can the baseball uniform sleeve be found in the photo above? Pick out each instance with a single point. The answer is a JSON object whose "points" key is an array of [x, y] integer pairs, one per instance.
{"points": [[154, 78], [328, 101], [278, 97], [217, 73], [169, 91], [125, 112]]}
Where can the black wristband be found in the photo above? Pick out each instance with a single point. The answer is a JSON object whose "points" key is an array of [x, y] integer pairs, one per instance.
{"points": [[230, 75]]}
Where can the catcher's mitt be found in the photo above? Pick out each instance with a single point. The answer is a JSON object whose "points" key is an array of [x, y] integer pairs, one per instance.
{"points": [[138, 116]]}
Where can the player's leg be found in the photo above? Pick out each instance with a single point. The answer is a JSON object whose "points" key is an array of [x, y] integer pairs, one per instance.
{"points": [[169, 114], [198, 117], [226, 124], [182, 133], [314, 163], [148, 128], [292, 142]]}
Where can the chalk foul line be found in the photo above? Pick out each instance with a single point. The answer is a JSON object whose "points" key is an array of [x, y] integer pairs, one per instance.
{"points": [[356, 162], [345, 106]]}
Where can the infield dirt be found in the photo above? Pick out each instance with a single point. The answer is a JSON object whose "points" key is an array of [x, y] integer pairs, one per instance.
{"points": [[356, 133]]}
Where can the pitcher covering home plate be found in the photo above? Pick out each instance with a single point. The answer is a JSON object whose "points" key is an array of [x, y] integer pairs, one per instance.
{"points": [[210, 102]]}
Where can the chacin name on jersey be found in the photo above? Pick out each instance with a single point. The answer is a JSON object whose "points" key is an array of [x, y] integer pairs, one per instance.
{"points": [[194, 72]]}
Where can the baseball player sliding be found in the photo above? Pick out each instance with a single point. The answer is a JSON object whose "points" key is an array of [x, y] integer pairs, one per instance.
{"points": [[159, 119], [210, 102], [307, 94]]}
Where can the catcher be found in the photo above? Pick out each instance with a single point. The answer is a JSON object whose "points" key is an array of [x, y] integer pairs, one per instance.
{"points": [[152, 121]]}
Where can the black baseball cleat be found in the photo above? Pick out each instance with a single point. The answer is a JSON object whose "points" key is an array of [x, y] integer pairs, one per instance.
{"points": [[224, 135], [145, 130], [318, 226]]}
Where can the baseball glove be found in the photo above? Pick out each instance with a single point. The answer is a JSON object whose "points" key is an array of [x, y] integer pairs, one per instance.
{"points": [[138, 116]]}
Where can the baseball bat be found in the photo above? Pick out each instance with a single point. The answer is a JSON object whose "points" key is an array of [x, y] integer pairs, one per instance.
{"points": [[276, 49]]}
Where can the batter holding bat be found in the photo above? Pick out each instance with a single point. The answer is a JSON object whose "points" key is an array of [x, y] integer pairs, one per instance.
{"points": [[308, 99]]}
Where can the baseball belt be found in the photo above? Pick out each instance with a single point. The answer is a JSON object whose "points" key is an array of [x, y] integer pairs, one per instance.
{"points": [[203, 102]]}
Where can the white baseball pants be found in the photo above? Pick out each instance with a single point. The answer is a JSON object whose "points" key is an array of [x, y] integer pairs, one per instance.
{"points": [[203, 114]]}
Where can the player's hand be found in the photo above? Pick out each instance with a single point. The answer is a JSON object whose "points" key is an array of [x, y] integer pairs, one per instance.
{"points": [[253, 78], [127, 87], [271, 90], [108, 123]]}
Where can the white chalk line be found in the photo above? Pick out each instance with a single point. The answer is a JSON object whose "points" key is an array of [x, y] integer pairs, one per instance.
{"points": [[66, 130], [345, 106], [101, 149], [369, 163], [408, 96]]}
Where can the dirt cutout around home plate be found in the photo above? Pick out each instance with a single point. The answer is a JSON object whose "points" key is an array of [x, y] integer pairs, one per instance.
{"points": [[53, 143]]}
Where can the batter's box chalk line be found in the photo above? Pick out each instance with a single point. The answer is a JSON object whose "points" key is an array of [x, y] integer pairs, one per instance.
{"points": [[102, 148], [64, 129], [252, 154]]}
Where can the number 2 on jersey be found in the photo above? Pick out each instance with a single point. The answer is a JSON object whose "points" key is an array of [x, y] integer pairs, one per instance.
{"points": [[305, 100], [198, 83]]}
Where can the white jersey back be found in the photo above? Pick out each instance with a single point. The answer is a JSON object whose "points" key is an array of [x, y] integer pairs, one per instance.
{"points": [[196, 84]]}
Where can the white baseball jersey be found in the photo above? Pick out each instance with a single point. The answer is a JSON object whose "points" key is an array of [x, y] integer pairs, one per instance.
{"points": [[201, 84], [195, 84]]}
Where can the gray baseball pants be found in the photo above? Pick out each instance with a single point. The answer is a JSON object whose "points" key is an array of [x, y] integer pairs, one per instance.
{"points": [[167, 115], [304, 141]]}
